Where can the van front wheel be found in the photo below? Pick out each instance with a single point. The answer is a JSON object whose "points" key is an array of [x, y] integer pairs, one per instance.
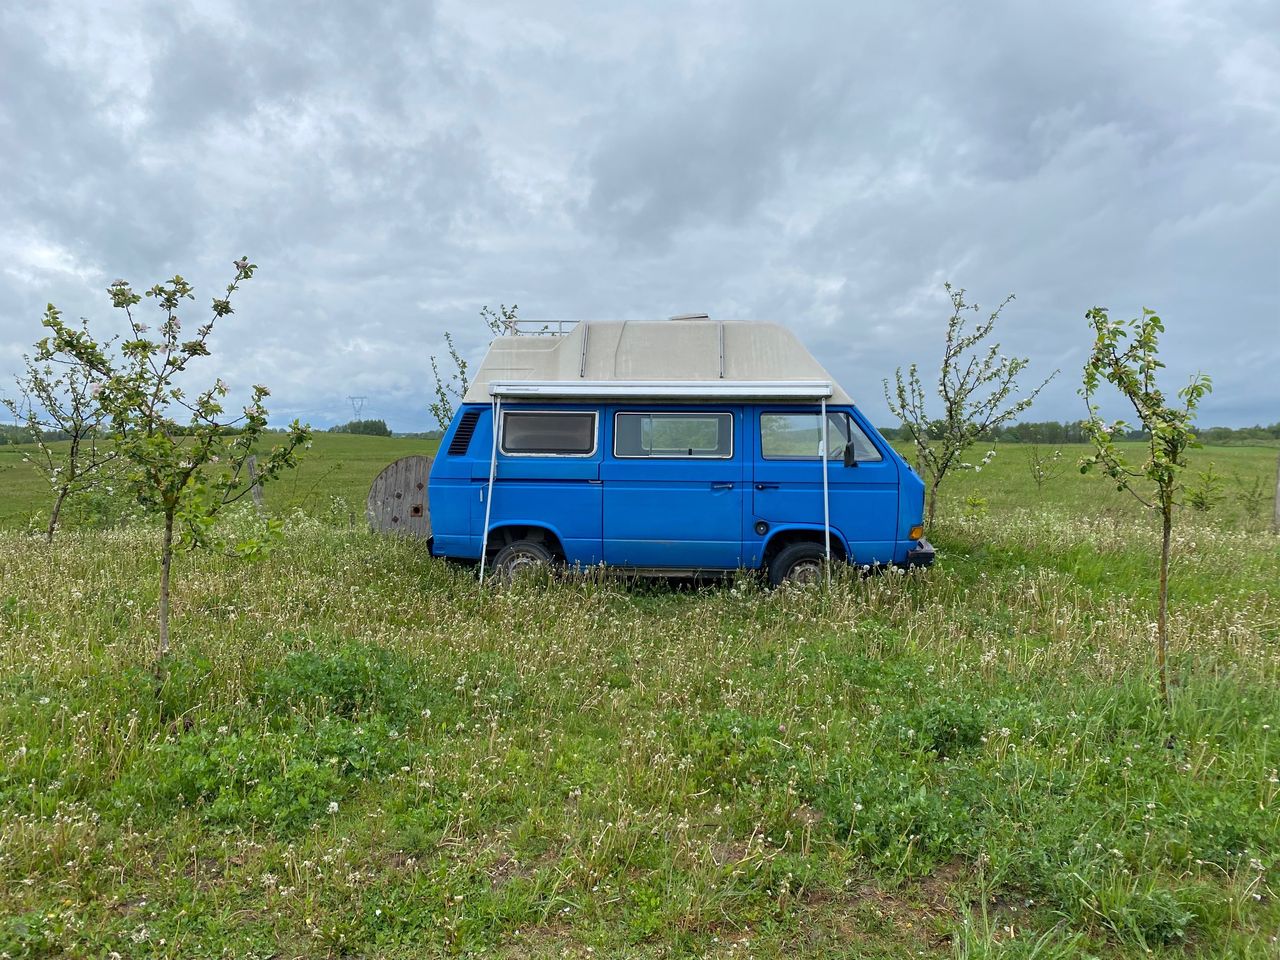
{"points": [[519, 558], [798, 563]]}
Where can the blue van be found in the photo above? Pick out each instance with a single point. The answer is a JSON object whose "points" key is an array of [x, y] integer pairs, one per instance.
{"points": [[676, 448]]}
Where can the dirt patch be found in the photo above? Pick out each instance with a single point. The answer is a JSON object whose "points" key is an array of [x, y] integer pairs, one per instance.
{"points": [[731, 853], [916, 914], [204, 874], [937, 888], [537, 943], [129, 905], [507, 868], [807, 815], [400, 860]]}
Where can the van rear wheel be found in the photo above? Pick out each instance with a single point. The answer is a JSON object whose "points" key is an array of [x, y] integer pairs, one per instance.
{"points": [[798, 563], [521, 557]]}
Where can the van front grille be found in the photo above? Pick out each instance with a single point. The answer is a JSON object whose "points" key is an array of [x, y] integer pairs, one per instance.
{"points": [[462, 439]]}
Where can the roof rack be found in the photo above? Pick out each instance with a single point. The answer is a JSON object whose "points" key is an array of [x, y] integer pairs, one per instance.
{"points": [[544, 328]]}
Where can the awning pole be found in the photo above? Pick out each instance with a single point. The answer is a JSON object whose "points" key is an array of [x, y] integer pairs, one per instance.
{"points": [[826, 499], [496, 407]]}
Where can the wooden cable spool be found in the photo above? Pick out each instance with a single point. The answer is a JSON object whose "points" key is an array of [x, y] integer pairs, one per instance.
{"points": [[397, 501]]}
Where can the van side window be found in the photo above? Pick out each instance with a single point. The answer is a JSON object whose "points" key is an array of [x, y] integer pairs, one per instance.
{"points": [[798, 436], [673, 435], [570, 433]]}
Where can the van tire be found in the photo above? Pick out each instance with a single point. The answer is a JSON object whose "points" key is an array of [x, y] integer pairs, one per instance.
{"points": [[519, 557], [799, 563]]}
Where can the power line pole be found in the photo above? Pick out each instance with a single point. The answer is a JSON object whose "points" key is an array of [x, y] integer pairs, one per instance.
{"points": [[357, 405]]}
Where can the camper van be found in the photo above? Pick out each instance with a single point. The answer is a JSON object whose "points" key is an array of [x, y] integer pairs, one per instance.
{"points": [[682, 447]]}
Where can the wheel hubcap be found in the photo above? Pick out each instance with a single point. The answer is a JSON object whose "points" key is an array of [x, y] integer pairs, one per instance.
{"points": [[521, 563], [805, 571]]}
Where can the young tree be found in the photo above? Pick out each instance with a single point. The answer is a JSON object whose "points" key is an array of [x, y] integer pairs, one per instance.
{"points": [[1275, 519], [501, 322], [451, 389], [1126, 355], [1205, 492], [1044, 466], [183, 460], [1252, 494], [977, 389], [58, 401]]}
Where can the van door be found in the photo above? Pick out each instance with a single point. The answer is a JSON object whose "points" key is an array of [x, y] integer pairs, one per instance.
{"points": [[673, 489], [787, 482]]}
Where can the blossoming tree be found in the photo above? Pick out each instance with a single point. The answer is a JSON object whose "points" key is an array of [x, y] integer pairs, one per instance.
{"points": [[977, 389], [451, 389], [183, 459], [57, 403]]}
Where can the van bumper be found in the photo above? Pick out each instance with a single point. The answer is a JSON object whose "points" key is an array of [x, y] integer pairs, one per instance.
{"points": [[921, 555]]}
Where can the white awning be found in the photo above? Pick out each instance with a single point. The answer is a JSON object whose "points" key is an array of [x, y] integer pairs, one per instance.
{"points": [[792, 390]]}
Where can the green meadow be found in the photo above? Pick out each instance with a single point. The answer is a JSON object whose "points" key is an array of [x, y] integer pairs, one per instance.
{"points": [[338, 466], [355, 750]]}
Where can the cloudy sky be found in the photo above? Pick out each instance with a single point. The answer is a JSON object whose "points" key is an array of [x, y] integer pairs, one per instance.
{"points": [[393, 167]]}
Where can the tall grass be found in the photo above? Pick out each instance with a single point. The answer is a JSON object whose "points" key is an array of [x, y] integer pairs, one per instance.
{"points": [[357, 750]]}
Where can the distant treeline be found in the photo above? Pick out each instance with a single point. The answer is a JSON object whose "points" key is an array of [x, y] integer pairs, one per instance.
{"points": [[1052, 431], [10, 433], [368, 428]]}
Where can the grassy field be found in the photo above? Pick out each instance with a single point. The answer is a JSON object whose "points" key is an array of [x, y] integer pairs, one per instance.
{"points": [[357, 751], [338, 467]]}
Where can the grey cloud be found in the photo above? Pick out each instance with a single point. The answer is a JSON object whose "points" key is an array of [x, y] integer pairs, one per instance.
{"points": [[394, 168]]}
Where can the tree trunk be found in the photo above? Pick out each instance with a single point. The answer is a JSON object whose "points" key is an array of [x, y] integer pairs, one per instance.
{"points": [[933, 503], [1162, 640], [166, 561], [1275, 523], [54, 514]]}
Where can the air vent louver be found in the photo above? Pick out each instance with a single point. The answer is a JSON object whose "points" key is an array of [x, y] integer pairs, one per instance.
{"points": [[462, 439]]}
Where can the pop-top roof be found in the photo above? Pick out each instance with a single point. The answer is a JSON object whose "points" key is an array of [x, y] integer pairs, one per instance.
{"points": [[655, 359]]}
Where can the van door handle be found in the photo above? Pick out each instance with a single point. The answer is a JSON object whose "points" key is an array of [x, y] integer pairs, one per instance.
{"points": [[722, 485], [768, 486]]}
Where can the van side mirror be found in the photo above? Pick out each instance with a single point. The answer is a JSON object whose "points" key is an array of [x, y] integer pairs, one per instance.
{"points": [[850, 455]]}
